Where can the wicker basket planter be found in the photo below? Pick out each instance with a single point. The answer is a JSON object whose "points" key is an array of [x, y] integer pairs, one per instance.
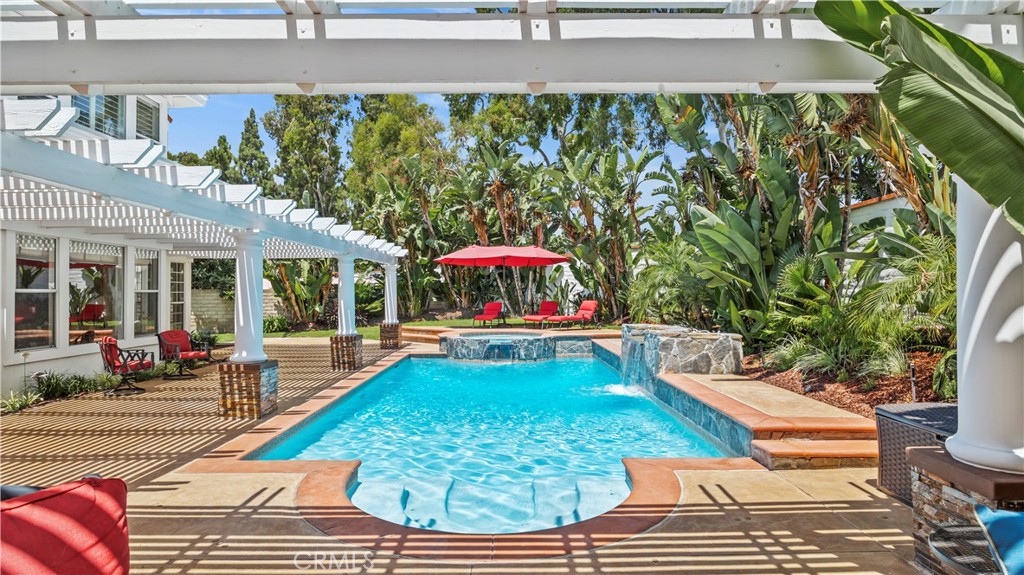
{"points": [[908, 425]]}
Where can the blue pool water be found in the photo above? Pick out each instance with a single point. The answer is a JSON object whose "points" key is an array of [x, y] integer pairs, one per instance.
{"points": [[493, 447]]}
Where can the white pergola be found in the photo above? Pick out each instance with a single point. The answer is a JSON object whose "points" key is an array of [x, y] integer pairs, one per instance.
{"points": [[128, 189], [323, 46]]}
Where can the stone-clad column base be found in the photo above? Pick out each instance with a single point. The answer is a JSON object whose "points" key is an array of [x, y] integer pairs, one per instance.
{"points": [[389, 335], [346, 352], [945, 492], [247, 390]]}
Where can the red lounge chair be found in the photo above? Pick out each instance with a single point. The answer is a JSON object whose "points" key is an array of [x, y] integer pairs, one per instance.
{"points": [[547, 309], [126, 363], [76, 527], [586, 313], [492, 312], [176, 345]]}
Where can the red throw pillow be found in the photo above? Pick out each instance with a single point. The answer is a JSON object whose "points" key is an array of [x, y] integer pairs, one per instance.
{"points": [[79, 527]]}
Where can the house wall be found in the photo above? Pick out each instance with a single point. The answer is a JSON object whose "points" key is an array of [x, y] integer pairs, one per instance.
{"points": [[15, 366]]}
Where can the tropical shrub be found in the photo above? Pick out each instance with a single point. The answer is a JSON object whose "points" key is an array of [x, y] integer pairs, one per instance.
{"points": [[668, 289], [54, 385], [18, 401], [276, 324]]}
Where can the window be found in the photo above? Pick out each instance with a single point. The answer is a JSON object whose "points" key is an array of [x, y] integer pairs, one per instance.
{"points": [[105, 114], [96, 306], [35, 292], [147, 291], [147, 120], [177, 295]]}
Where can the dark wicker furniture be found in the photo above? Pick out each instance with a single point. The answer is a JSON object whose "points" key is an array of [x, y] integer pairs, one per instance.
{"points": [[908, 425], [965, 549]]}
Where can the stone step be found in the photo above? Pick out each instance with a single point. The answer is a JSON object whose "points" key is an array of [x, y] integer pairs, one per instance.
{"points": [[814, 454]]}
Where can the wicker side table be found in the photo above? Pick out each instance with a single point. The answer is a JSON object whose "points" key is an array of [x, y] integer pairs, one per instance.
{"points": [[906, 425]]}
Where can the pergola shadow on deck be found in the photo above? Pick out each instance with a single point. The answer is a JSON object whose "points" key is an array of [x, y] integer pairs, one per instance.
{"points": [[139, 438]]}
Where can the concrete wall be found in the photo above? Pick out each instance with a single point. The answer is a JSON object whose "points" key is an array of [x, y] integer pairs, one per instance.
{"points": [[210, 311]]}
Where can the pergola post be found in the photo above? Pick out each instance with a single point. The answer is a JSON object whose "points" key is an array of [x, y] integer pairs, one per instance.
{"points": [[347, 344], [248, 382], [390, 329], [990, 336]]}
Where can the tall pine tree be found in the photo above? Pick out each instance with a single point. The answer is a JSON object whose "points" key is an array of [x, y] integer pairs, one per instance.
{"points": [[253, 164], [221, 157]]}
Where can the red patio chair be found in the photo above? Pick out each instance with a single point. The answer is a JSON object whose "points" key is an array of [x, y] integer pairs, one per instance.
{"points": [[491, 314], [586, 314], [546, 310], [124, 363], [76, 527], [178, 346]]}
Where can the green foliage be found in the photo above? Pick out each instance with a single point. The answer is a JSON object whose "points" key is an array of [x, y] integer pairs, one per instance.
{"points": [[276, 324], [303, 285], [205, 336], [215, 274], [252, 162], [944, 376], [221, 157], [18, 401], [54, 385], [934, 73], [369, 297], [668, 289], [307, 130]]}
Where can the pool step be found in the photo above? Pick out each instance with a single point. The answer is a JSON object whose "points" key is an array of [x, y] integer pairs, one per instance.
{"points": [[451, 505], [814, 453]]}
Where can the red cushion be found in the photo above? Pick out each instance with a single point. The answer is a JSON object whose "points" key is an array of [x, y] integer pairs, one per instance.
{"points": [[78, 527], [137, 365], [566, 318], [535, 317], [173, 341], [192, 355], [484, 317]]}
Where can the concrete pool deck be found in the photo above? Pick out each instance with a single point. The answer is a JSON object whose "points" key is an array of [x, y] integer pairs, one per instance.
{"points": [[186, 520]]}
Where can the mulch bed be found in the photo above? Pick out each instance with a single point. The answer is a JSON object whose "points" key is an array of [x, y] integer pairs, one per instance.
{"points": [[857, 394]]}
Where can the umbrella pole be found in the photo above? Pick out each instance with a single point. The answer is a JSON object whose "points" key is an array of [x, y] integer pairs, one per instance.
{"points": [[501, 285]]}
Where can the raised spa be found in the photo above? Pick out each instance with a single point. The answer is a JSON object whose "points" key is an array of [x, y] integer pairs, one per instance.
{"points": [[493, 447], [507, 346]]}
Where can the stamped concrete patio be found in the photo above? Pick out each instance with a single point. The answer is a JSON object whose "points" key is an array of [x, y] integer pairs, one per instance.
{"points": [[747, 520]]}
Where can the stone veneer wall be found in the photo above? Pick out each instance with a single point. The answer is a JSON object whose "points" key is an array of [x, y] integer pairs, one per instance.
{"points": [[524, 349], [210, 311], [678, 349], [939, 502]]}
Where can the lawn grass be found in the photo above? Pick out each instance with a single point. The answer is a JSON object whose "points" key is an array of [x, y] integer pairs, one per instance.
{"points": [[373, 331]]}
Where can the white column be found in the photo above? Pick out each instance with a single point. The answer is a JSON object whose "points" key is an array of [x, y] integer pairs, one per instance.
{"points": [[248, 299], [390, 293], [990, 337], [346, 295]]}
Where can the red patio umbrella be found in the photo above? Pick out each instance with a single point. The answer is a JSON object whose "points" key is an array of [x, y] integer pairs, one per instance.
{"points": [[511, 256]]}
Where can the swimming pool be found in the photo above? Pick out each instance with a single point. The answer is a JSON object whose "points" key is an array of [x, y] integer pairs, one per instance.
{"points": [[493, 447]]}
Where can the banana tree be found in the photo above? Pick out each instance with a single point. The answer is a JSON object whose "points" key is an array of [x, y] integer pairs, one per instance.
{"points": [[978, 93]]}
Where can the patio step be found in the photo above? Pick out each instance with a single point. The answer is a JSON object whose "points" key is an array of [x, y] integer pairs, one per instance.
{"points": [[814, 454], [422, 334]]}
